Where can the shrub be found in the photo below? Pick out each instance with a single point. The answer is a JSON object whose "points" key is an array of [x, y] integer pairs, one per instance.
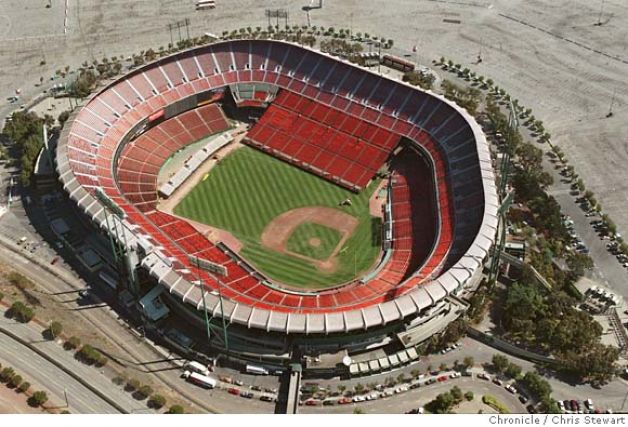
{"points": [[132, 385], [1, 296], [175, 409], [89, 355], [23, 388], [55, 329], [6, 374], [118, 380], [38, 398], [144, 391], [469, 396], [16, 381], [20, 281], [157, 401], [72, 343], [21, 312], [495, 404]]}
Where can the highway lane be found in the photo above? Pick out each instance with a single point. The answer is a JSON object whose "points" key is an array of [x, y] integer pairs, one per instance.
{"points": [[138, 354], [38, 370]]}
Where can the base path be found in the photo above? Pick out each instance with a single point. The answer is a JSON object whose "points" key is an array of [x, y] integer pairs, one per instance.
{"points": [[277, 232]]}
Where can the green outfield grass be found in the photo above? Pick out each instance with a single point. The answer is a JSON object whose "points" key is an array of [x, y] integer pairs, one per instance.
{"points": [[248, 189], [299, 240]]}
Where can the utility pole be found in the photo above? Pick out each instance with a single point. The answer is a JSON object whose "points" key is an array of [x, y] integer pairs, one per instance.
{"points": [[599, 18], [65, 394], [610, 109], [171, 41], [506, 199], [187, 27], [202, 288]]}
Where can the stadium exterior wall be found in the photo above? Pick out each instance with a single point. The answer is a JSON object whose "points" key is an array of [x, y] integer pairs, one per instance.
{"points": [[464, 270]]}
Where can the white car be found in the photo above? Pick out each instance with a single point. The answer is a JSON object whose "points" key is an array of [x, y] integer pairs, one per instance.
{"points": [[455, 375], [359, 398]]}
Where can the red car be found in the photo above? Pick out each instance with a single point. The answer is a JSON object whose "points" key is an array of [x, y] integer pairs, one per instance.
{"points": [[441, 378], [344, 401], [233, 390], [312, 402]]}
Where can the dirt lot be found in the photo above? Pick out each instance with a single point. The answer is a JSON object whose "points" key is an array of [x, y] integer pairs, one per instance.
{"points": [[15, 403]]}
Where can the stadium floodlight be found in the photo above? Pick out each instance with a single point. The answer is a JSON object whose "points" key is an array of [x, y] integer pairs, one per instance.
{"points": [[209, 267], [109, 204], [278, 14]]}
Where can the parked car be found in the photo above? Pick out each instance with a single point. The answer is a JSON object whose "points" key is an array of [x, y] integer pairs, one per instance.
{"points": [[234, 391], [497, 381]]}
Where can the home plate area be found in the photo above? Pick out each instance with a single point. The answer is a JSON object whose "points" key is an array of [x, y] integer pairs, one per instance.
{"points": [[315, 234]]}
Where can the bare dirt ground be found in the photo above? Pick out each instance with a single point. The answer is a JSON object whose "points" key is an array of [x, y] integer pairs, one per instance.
{"points": [[277, 232], [376, 202], [15, 403], [568, 85]]}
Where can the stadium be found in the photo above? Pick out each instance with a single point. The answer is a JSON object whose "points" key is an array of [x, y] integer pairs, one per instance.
{"points": [[284, 201]]}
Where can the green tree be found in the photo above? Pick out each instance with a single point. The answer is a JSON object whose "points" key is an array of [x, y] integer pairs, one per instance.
{"points": [[6, 374], [157, 401], [441, 404], [144, 391], [469, 396], [468, 362], [38, 398], [15, 381], [358, 410], [132, 385], [500, 362], [72, 343], [175, 409], [55, 329], [23, 388], [513, 370], [456, 393]]}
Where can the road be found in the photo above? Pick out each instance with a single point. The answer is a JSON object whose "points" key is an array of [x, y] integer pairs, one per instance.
{"points": [[54, 380], [413, 399], [138, 356]]}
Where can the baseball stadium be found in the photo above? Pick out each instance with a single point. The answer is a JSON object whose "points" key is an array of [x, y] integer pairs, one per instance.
{"points": [[276, 202]]}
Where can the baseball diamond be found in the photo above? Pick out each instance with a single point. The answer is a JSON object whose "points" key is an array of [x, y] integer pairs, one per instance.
{"points": [[262, 203]]}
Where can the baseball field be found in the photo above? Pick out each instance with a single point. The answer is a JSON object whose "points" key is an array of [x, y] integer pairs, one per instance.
{"points": [[294, 226]]}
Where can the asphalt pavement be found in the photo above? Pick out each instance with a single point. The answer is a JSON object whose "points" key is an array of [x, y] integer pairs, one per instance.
{"points": [[47, 376]]}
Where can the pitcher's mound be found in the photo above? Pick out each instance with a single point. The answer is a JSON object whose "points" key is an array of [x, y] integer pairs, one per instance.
{"points": [[315, 242]]}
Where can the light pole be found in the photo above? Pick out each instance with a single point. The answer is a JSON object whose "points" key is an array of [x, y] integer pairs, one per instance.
{"points": [[200, 284]]}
